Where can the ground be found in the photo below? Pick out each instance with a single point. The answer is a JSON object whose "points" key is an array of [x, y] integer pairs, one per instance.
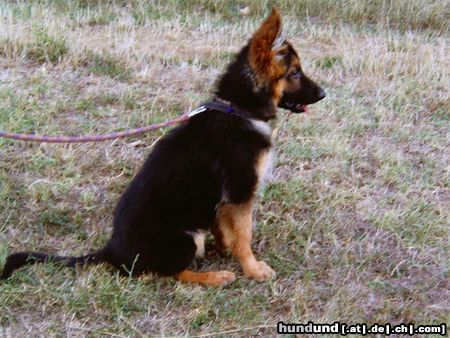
{"points": [[354, 218]]}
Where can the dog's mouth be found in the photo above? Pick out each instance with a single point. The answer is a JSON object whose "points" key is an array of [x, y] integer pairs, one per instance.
{"points": [[294, 107]]}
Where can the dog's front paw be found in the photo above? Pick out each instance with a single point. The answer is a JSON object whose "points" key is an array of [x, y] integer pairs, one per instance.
{"points": [[259, 271]]}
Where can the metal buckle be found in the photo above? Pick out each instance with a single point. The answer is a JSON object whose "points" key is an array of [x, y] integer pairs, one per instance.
{"points": [[199, 110]]}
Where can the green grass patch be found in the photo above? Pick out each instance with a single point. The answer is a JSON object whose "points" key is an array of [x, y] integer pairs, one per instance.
{"points": [[101, 18], [329, 62], [46, 48], [108, 65]]}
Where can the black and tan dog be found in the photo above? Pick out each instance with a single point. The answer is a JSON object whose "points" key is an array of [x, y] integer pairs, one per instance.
{"points": [[204, 174]]}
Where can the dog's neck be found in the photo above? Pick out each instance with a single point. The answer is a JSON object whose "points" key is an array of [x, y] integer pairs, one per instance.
{"points": [[238, 87], [226, 107]]}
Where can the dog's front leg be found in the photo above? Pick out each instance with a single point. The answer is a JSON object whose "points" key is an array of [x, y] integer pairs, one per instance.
{"points": [[235, 226]]}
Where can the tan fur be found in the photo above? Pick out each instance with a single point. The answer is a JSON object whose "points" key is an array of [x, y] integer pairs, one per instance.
{"points": [[292, 86], [263, 165], [262, 57], [216, 278], [235, 224], [230, 213], [234, 230], [278, 91], [199, 240]]}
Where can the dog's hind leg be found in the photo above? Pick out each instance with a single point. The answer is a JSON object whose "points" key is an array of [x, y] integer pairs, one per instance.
{"points": [[235, 226], [176, 253], [213, 278]]}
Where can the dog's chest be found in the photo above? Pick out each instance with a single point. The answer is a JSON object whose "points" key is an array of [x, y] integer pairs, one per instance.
{"points": [[264, 162], [264, 166], [262, 128]]}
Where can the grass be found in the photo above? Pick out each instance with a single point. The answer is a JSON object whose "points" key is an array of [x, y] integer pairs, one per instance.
{"points": [[43, 49], [354, 219], [109, 66]]}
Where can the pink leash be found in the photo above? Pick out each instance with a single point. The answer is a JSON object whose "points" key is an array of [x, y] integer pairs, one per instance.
{"points": [[102, 137]]}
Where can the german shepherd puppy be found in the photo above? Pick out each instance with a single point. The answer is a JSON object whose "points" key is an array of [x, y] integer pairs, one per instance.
{"points": [[204, 174]]}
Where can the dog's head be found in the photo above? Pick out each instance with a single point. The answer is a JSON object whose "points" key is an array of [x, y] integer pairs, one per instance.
{"points": [[277, 69]]}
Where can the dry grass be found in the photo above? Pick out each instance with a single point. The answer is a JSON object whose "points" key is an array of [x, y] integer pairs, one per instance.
{"points": [[355, 220]]}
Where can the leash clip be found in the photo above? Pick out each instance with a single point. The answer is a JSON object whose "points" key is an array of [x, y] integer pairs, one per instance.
{"points": [[199, 110]]}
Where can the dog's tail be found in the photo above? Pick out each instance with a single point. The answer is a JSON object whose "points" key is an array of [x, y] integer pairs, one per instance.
{"points": [[20, 259]]}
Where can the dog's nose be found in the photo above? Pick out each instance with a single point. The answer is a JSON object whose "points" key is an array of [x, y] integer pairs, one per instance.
{"points": [[321, 94]]}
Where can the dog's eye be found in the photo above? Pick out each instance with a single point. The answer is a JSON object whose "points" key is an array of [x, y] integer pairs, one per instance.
{"points": [[296, 74]]}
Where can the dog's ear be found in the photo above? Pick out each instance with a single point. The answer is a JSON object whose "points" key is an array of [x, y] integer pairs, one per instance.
{"points": [[266, 49]]}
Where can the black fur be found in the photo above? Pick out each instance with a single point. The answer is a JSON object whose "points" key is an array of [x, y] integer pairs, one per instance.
{"points": [[186, 176], [237, 85], [207, 160], [19, 259]]}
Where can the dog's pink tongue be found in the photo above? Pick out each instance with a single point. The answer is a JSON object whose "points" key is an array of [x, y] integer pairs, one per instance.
{"points": [[303, 107]]}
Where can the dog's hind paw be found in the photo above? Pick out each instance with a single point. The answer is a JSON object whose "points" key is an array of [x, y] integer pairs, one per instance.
{"points": [[221, 278], [212, 278]]}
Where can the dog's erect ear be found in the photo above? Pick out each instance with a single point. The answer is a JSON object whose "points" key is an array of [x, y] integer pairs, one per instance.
{"points": [[265, 46], [268, 31]]}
